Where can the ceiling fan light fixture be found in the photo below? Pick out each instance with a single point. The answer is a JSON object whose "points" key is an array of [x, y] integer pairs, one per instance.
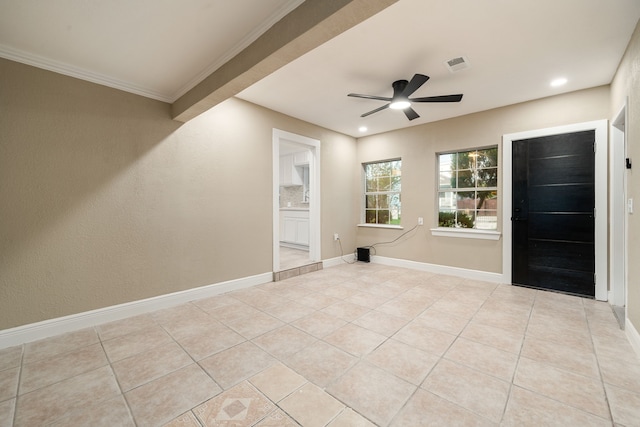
{"points": [[400, 104]]}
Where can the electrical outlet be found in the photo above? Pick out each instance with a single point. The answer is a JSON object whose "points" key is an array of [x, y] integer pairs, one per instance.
{"points": [[420, 221], [335, 236]]}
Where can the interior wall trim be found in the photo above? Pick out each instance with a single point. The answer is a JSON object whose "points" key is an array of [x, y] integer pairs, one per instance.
{"points": [[48, 328], [485, 276], [632, 335]]}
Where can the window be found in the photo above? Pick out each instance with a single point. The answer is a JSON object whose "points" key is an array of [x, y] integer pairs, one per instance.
{"points": [[382, 192], [468, 189]]}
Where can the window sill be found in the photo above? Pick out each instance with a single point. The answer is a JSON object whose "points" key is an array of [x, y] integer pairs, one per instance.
{"points": [[393, 227], [468, 233]]}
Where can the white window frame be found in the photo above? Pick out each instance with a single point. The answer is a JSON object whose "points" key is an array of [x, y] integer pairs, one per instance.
{"points": [[364, 222]]}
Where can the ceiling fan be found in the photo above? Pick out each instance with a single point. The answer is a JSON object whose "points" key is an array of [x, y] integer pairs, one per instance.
{"points": [[401, 101]]}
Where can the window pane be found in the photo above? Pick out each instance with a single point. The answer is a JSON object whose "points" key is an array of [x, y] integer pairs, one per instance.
{"points": [[372, 184], [465, 218], [488, 158], [487, 220], [383, 217], [447, 162], [466, 200], [395, 168], [466, 179], [447, 219], [466, 160], [371, 202], [383, 201], [395, 183], [370, 216], [446, 200], [488, 177], [447, 180], [487, 200], [384, 183]]}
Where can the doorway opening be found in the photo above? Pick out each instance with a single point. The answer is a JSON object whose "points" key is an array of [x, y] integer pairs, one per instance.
{"points": [[296, 202], [618, 223], [600, 259]]}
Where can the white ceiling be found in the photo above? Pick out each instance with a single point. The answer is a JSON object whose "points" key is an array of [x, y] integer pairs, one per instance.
{"points": [[162, 48]]}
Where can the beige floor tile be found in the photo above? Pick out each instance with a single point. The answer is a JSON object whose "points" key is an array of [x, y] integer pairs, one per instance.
{"points": [[382, 323], [231, 366], [373, 392], [496, 337], [480, 393], [113, 412], [340, 292], [620, 371], [10, 357], [277, 382], [355, 340], [284, 342], [403, 361], [290, 311], [129, 325], [311, 406], [48, 371], [317, 300], [453, 304], [319, 324], [277, 418], [423, 338], [137, 342], [9, 383], [239, 406], [490, 360], [561, 356], [162, 400], [50, 403], [367, 299], [526, 408], [445, 322], [346, 310], [427, 409], [185, 420], [350, 418], [625, 405], [176, 313], [584, 393], [197, 322], [218, 338], [406, 309], [7, 411], [59, 344], [233, 312], [550, 329], [256, 325], [321, 363], [150, 365], [502, 319], [387, 291], [211, 304]]}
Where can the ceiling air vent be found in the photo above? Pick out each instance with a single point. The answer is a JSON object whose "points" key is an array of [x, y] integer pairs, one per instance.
{"points": [[457, 64]]}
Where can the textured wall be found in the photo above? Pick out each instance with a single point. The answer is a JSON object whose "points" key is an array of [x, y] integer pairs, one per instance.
{"points": [[626, 85], [418, 145], [106, 200]]}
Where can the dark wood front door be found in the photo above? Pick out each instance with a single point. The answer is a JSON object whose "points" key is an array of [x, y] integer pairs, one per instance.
{"points": [[553, 215]]}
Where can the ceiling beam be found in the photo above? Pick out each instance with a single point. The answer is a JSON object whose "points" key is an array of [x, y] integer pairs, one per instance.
{"points": [[308, 26]]}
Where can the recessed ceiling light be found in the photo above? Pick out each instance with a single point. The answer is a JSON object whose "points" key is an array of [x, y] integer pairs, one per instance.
{"points": [[362, 129], [558, 82]]}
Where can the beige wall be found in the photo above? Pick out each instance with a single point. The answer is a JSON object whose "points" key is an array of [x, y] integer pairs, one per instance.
{"points": [[418, 145], [626, 85], [106, 200]]}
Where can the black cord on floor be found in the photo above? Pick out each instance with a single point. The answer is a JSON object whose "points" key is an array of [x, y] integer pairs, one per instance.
{"points": [[342, 254]]}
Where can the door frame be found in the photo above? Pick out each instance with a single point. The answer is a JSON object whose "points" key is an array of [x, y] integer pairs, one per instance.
{"points": [[618, 196], [601, 219], [313, 145]]}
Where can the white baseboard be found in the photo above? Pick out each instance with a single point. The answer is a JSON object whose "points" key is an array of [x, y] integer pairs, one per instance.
{"points": [[439, 269], [48, 328], [333, 262], [632, 335]]}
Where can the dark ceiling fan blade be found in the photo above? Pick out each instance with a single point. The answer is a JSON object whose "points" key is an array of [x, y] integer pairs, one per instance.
{"points": [[416, 81], [384, 107], [410, 113], [379, 98], [443, 98]]}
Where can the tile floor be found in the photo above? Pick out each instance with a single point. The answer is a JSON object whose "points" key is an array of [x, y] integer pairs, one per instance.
{"points": [[354, 345], [290, 258]]}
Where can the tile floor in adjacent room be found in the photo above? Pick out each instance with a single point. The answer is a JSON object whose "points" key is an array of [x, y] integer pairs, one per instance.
{"points": [[354, 345]]}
